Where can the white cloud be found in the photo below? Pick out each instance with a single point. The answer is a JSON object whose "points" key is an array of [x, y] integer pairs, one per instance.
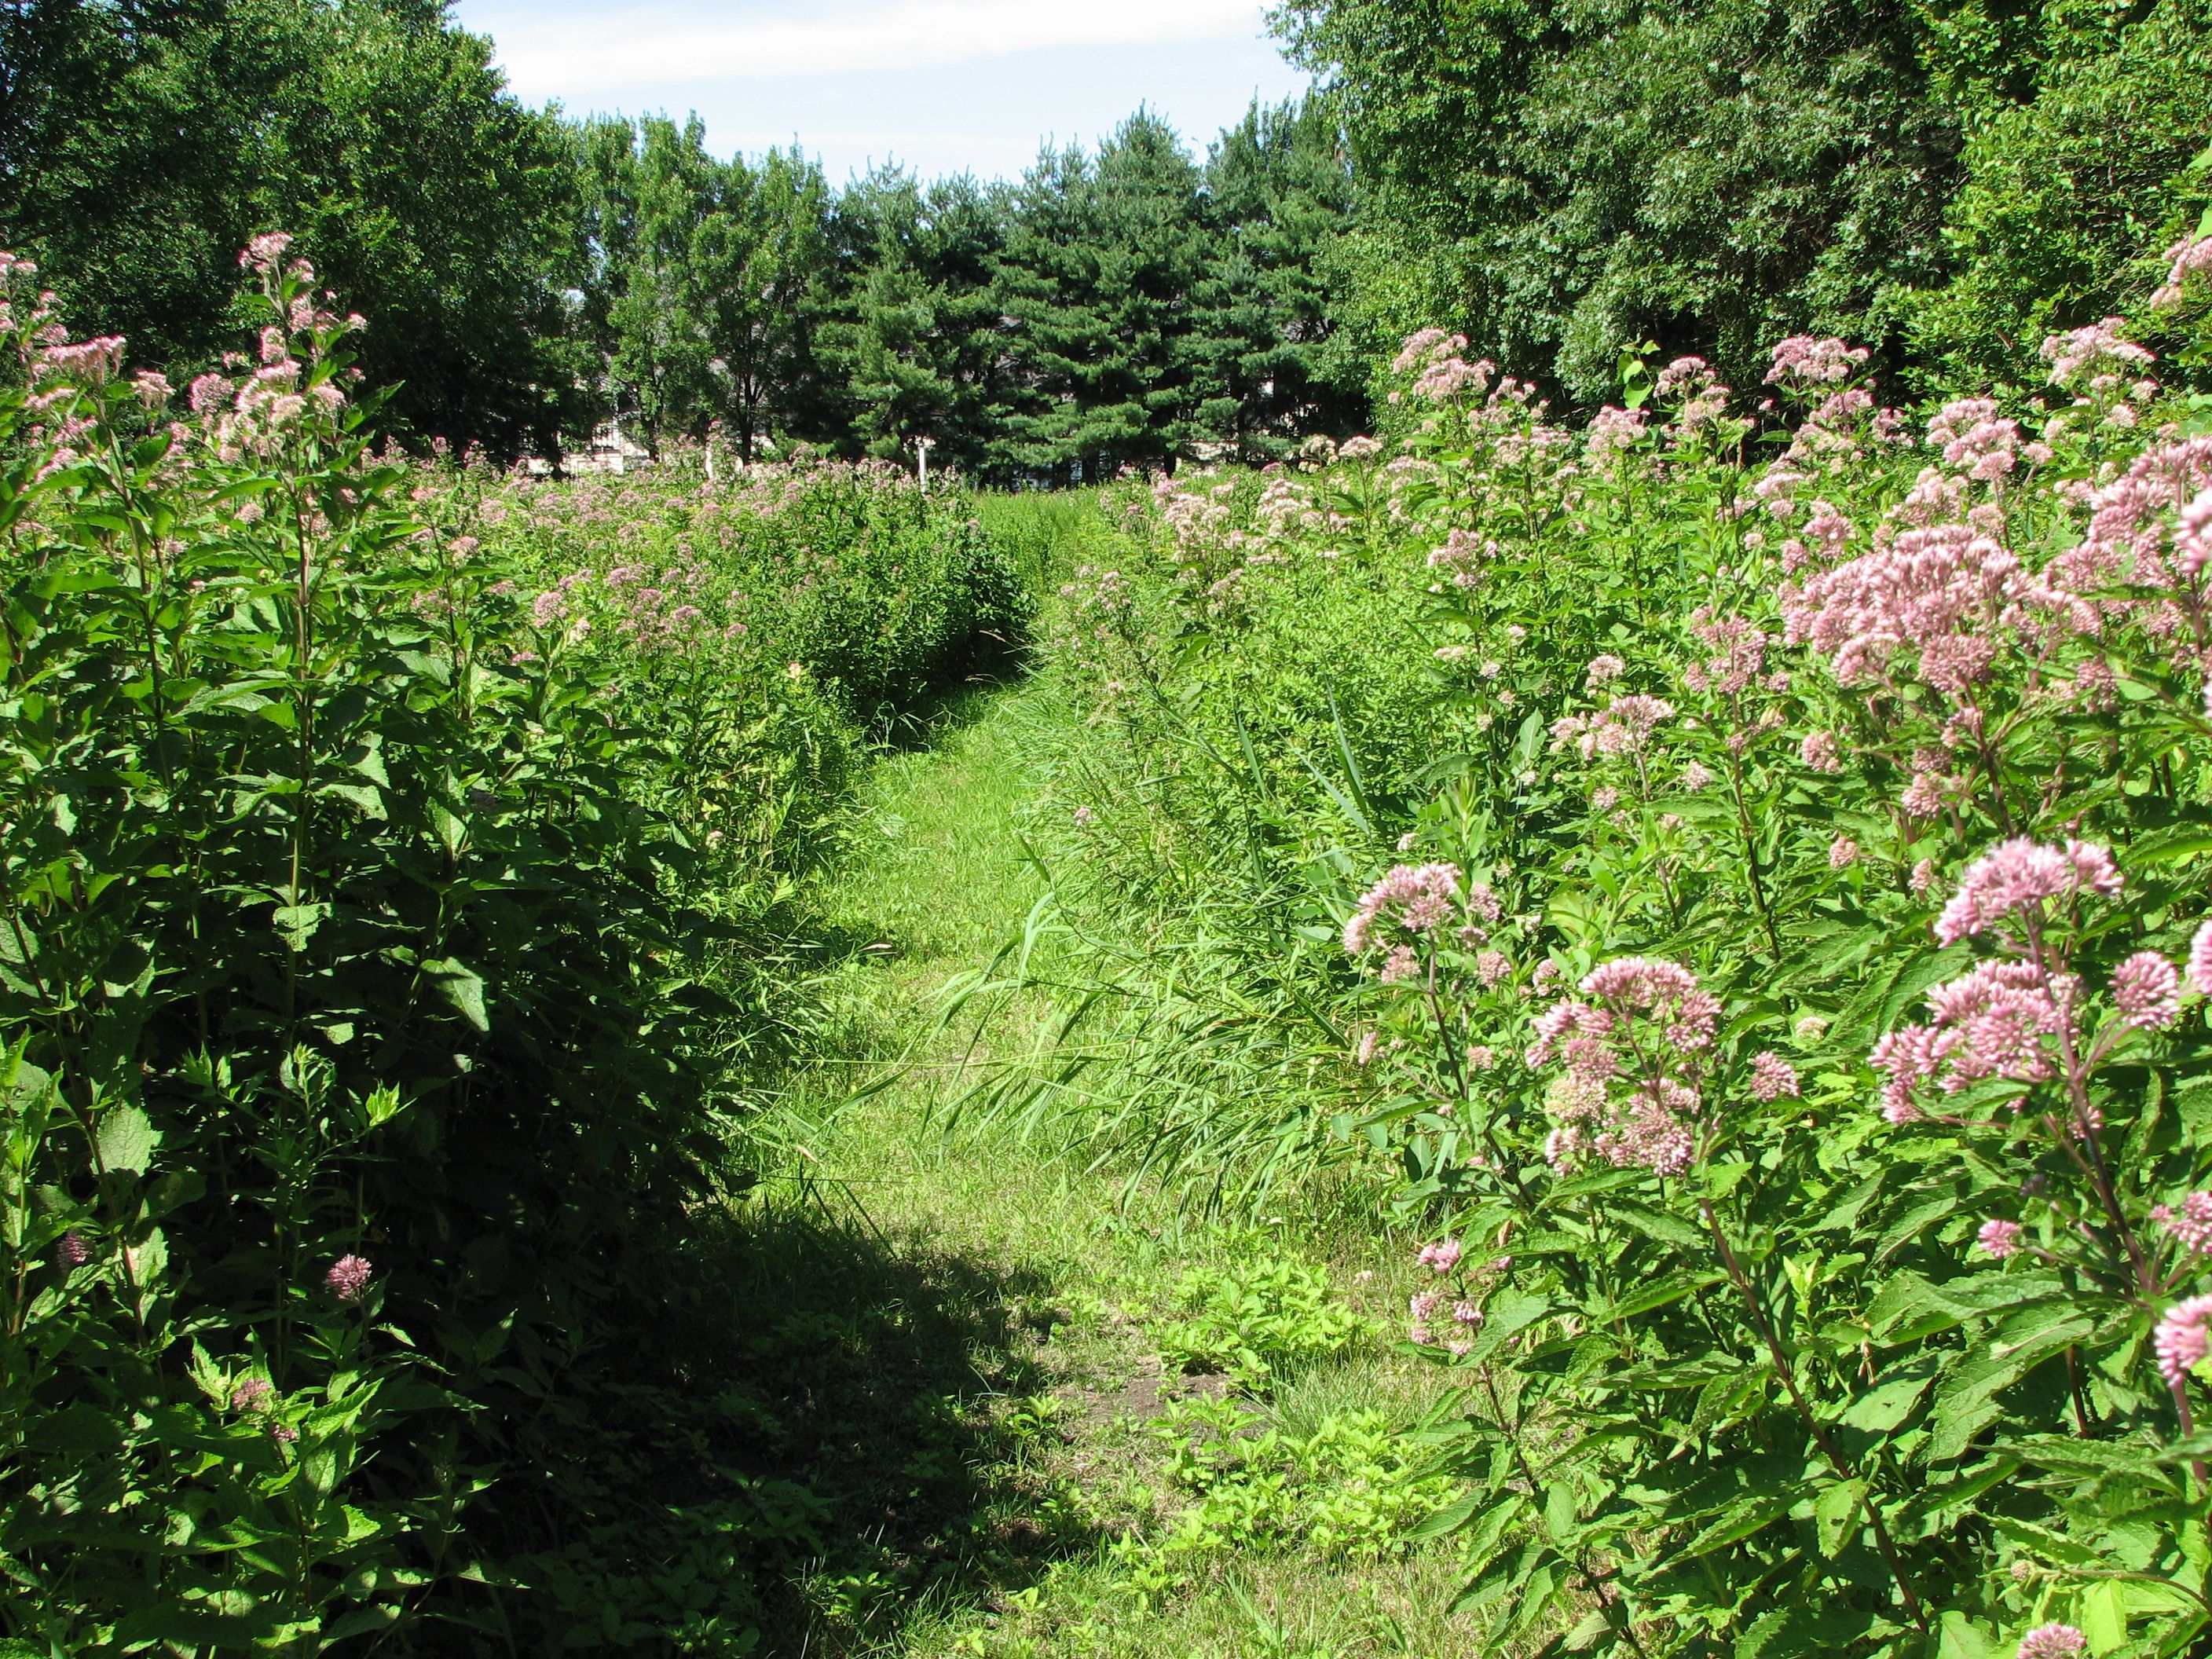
{"points": [[619, 45]]}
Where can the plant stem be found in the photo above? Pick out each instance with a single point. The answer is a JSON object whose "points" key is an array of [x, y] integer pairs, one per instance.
{"points": [[1756, 1305]]}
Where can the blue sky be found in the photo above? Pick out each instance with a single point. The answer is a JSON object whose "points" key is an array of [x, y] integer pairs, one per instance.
{"points": [[943, 86]]}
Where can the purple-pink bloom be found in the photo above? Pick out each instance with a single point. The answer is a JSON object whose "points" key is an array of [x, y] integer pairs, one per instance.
{"points": [[1441, 1257], [72, 1251], [2191, 1225], [2147, 990], [1805, 361], [2200, 960], [1991, 1021], [1842, 853], [348, 1277], [2180, 1340], [1820, 752], [1418, 898], [1999, 1238], [1773, 1076], [2018, 876], [2052, 1641]]}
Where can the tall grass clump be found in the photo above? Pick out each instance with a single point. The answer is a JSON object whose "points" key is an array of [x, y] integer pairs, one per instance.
{"points": [[397, 917], [1745, 861]]}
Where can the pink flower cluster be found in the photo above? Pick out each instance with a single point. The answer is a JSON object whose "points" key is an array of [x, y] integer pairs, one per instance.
{"points": [[1643, 1022], [1999, 1238], [2162, 496], [2180, 1341], [2188, 257], [348, 1277], [2146, 991], [1463, 553], [1432, 358], [2191, 1225], [1975, 440], [1943, 591], [1739, 656], [1704, 399], [1804, 361], [1623, 727], [2015, 880], [1992, 1021], [2097, 352], [1611, 433], [2053, 1641], [1773, 1076], [1418, 898]]}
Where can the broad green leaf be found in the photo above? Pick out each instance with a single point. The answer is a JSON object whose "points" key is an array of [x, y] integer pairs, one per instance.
{"points": [[297, 923], [1959, 1637], [2104, 1616], [462, 987], [1834, 1512], [127, 1139]]}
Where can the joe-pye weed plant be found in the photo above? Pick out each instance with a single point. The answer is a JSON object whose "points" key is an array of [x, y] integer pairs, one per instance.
{"points": [[382, 983], [1790, 985]]}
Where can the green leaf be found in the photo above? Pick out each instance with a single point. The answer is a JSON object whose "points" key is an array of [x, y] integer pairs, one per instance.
{"points": [[1658, 1225], [1882, 1407], [1834, 1512], [1741, 1519], [1960, 1637], [2052, 1546], [2103, 1611], [462, 987], [127, 1139], [297, 923]]}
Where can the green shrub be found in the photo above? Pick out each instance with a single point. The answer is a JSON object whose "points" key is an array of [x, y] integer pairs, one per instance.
{"points": [[2066, 195], [1350, 1488], [388, 968], [1793, 974], [1255, 1320]]}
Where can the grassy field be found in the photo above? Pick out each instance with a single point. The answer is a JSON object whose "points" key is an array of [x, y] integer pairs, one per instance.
{"points": [[977, 1326]]}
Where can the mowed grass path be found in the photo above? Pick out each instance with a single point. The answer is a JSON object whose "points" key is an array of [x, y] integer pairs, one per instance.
{"points": [[990, 1430]]}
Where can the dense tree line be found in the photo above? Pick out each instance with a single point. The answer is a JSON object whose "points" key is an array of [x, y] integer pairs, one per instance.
{"points": [[1947, 179], [1109, 308], [526, 276]]}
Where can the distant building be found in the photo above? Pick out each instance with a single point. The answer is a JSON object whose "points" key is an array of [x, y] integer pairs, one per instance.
{"points": [[612, 450]]}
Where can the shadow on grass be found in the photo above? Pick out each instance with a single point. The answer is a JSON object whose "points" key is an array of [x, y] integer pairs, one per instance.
{"points": [[960, 698], [860, 1388]]}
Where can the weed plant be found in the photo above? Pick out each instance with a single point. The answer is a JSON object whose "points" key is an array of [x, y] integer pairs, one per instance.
{"points": [[397, 927], [1743, 862]]}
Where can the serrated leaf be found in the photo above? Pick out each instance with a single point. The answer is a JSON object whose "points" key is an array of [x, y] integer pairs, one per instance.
{"points": [[1960, 1637], [2104, 1616], [1834, 1512], [1882, 1407], [127, 1139], [297, 923], [462, 987]]}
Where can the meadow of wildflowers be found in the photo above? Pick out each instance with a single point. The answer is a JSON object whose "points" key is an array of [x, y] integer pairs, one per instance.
{"points": [[399, 907], [1745, 861]]}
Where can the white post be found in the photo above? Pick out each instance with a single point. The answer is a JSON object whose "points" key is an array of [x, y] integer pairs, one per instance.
{"points": [[921, 449]]}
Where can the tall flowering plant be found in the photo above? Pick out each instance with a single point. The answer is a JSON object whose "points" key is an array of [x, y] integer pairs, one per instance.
{"points": [[1930, 1361], [1788, 966], [343, 942]]}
